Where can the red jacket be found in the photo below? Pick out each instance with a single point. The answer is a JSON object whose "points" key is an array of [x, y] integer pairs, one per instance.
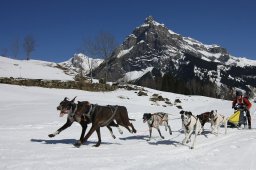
{"points": [[244, 101]]}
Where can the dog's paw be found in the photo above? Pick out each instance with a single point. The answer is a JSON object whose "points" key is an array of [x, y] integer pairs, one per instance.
{"points": [[51, 135], [200, 132], [77, 144], [97, 145]]}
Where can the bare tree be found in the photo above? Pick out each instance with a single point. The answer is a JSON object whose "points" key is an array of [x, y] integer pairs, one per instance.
{"points": [[100, 47], [105, 44], [88, 49], [29, 45], [15, 47]]}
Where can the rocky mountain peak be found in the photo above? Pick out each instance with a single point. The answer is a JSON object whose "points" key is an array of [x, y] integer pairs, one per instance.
{"points": [[80, 62], [180, 63], [149, 20]]}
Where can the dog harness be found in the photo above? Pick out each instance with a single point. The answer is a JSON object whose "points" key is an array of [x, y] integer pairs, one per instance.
{"points": [[91, 111], [216, 117], [187, 125], [151, 120], [73, 110], [113, 115]]}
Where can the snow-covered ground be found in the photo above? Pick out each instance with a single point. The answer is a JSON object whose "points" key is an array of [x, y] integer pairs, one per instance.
{"points": [[32, 69], [28, 115]]}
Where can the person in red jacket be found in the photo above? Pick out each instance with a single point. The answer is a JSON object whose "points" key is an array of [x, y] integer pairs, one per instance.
{"points": [[243, 103]]}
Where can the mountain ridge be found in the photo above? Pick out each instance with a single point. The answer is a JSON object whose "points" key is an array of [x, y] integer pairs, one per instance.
{"points": [[183, 58]]}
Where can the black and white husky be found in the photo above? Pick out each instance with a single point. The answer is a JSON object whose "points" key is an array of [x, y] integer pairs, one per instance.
{"points": [[216, 121], [190, 123]]}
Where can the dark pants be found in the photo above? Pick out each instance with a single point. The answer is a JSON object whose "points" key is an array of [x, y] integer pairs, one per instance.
{"points": [[245, 117], [248, 115], [242, 118]]}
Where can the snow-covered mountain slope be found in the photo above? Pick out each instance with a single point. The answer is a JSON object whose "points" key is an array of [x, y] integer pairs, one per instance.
{"points": [[215, 53], [36, 69], [31, 69], [28, 115], [80, 62]]}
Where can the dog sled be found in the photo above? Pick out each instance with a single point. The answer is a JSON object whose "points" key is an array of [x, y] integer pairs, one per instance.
{"points": [[237, 119]]}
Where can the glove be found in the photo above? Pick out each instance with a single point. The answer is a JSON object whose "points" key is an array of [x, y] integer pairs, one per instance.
{"points": [[238, 106], [242, 107]]}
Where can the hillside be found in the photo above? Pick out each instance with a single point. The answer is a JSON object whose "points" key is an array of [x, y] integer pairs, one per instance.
{"points": [[31, 69], [51, 75], [37, 69]]}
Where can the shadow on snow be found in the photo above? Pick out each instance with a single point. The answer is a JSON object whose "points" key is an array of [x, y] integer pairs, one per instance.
{"points": [[165, 142], [64, 141], [137, 137]]}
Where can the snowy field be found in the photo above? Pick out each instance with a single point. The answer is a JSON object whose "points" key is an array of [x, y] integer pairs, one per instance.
{"points": [[32, 69], [28, 115]]}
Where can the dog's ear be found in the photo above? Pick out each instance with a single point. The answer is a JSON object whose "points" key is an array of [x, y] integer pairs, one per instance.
{"points": [[182, 112], [147, 114], [144, 116], [87, 103], [212, 111], [190, 113], [73, 99], [65, 99]]}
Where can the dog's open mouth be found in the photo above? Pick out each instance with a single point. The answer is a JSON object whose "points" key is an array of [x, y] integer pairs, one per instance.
{"points": [[63, 112]]}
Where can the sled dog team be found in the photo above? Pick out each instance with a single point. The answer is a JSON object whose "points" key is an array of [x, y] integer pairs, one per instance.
{"points": [[113, 115]]}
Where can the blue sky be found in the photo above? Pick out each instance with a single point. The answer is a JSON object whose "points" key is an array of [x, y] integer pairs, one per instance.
{"points": [[59, 26]]}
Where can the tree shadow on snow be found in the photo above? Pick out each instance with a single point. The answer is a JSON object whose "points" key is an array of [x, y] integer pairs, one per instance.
{"points": [[64, 141]]}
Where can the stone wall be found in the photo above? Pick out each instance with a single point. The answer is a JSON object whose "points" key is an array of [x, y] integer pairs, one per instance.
{"points": [[82, 85]]}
